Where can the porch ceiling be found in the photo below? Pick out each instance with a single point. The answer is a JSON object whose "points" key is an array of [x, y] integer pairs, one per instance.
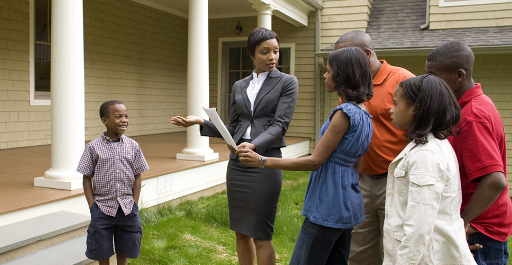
{"points": [[294, 11]]}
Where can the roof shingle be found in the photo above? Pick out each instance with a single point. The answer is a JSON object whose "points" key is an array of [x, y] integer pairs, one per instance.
{"points": [[394, 24]]}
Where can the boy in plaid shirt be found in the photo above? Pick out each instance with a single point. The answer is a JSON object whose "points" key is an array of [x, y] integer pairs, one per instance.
{"points": [[111, 165]]}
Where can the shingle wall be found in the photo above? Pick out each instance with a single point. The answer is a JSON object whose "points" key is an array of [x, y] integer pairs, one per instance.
{"points": [[133, 53], [470, 16], [20, 123], [138, 55], [303, 122], [340, 16]]}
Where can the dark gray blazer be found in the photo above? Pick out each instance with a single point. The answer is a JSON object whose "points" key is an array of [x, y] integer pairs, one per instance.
{"points": [[273, 110]]}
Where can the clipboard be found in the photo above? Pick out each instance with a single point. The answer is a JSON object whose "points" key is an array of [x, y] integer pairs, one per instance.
{"points": [[214, 117]]}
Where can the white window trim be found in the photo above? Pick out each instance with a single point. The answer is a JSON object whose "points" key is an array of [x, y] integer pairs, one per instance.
{"points": [[36, 98], [292, 55], [219, 64], [443, 3]]}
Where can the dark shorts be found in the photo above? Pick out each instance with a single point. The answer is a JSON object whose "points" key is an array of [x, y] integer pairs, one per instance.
{"points": [[124, 231]]}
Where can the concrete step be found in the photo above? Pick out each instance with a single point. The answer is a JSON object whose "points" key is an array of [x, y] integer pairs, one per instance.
{"points": [[40, 233], [70, 252]]}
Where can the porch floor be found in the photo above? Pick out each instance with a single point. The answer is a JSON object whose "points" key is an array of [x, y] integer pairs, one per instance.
{"points": [[22, 165]]}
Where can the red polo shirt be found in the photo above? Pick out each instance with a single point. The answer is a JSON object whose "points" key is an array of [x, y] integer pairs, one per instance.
{"points": [[480, 149]]}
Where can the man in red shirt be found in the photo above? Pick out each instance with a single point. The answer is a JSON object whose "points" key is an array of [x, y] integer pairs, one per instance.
{"points": [[387, 142], [481, 152]]}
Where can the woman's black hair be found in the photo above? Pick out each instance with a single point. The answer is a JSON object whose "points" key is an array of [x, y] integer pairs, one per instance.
{"points": [[351, 74], [257, 36], [436, 108]]}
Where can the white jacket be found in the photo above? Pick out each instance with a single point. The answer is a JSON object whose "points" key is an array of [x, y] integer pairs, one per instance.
{"points": [[423, 198]]}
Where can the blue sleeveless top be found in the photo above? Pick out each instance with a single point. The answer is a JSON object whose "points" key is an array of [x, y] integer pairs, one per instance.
{"points": [[333, 198]]}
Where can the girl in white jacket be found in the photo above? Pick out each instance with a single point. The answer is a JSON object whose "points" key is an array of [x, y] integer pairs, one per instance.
{"points": [[423, 223]]}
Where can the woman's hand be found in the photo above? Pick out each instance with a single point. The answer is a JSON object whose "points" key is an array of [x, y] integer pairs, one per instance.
{"points": [[231, 149], [248, 157], [186, 122], [246, 145]]}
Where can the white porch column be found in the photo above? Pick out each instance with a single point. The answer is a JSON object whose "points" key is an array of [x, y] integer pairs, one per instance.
{"points": [[67, 96], [264, 16], [197, 81]]}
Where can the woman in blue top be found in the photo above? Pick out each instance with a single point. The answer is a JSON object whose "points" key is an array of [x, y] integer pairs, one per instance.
{"points": [[333, 204]]}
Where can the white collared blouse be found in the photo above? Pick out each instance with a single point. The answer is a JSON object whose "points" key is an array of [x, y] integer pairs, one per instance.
{"points": [[423, 198], [252, 91]]}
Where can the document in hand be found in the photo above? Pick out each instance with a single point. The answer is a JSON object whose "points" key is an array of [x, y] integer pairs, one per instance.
{"points": [[214, 117]]}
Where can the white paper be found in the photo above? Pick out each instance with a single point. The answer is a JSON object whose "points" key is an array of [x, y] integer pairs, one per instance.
{"points": [[214, 117]]}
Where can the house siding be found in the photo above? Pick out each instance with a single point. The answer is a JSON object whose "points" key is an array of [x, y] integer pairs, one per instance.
{"points": [[138, 55], [303, 122], [20, 124], [340, 16], [470, 16], [133, 53]]}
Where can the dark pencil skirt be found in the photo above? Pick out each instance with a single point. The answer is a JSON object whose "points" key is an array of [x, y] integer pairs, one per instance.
{"points": [[253, 194]]}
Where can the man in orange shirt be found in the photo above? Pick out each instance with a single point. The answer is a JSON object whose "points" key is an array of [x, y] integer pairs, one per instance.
{"points": [[387, 142]]}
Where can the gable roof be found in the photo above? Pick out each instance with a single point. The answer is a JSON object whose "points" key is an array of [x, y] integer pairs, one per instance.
{"points": [[394, 26]]}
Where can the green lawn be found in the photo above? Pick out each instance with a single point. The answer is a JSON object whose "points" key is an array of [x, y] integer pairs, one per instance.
{"points": [[509, 248], [197, 232]]}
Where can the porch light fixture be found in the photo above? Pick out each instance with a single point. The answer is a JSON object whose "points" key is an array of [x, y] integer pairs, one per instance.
{"points": [[238, 28]]}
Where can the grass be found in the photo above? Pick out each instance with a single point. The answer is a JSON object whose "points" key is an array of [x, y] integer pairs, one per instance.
{"points": [[510, 248], [197, 232]]}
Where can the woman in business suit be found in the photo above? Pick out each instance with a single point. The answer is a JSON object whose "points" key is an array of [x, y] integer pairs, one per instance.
{"points": [[262, 106]]}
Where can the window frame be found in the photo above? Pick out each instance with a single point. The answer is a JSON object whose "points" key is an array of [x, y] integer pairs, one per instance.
{"points": [[37, 98]]}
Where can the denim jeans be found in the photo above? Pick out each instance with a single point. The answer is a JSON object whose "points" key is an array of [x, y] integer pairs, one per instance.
{"points": [[318, 245], [493, 252]]}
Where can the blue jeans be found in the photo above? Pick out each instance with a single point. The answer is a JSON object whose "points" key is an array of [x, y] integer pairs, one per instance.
{"points": [[318, 244], [493, 252]]}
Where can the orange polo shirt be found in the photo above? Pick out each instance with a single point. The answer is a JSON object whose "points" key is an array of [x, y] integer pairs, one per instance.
{"points": [[387, 141]]}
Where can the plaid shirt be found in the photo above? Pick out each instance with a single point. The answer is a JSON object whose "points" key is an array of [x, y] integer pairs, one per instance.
{"points": [[113, 167]]}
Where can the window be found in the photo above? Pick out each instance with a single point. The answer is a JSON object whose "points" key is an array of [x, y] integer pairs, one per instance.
{"points": [[40, 41], [283, 64], [237, 64]]}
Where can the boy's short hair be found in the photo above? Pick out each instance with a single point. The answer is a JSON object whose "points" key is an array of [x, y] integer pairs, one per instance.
{"points": [[351, 74], [258, 36], [436, 110], [105, 107], [452, 56]]}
